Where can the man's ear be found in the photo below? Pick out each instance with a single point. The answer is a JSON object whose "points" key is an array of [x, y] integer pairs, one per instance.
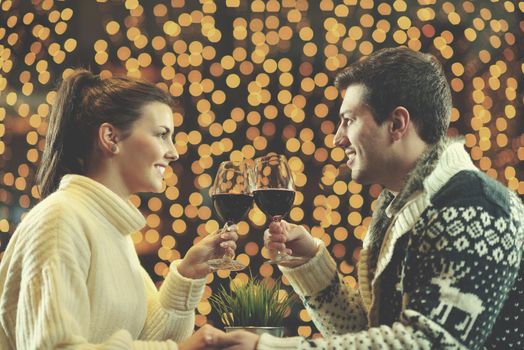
{"points": [[400, 120], [108, 138]]}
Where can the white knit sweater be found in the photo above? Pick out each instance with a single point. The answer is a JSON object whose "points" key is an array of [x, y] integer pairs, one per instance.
{"points": [[71, 278]]}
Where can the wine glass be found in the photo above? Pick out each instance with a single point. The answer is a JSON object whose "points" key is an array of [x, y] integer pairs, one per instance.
{"points": [[274, 193], [232, 198]]}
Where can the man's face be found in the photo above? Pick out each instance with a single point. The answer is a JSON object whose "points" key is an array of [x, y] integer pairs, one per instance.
{"points": [[366, 144]]}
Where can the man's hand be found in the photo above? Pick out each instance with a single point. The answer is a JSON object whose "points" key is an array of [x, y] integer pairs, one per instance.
{"points": [[205, 338], [291, 239], [237, 340]]}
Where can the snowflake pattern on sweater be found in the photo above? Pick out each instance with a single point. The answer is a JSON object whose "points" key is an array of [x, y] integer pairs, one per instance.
{"points": [[474, 254]]}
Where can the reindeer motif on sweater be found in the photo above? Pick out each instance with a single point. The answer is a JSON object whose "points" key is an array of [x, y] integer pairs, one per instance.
{"points": [[452, 299]]}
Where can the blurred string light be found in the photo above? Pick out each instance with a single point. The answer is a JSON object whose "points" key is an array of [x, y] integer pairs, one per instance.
{"points": [[253, 77]]}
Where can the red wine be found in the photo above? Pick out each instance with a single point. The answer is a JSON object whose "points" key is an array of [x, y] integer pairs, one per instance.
{"points": [[274, 201], [231, 207]]}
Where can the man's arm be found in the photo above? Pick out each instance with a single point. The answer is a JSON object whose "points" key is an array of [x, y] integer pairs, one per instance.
{"points": [[334, 307], [461, 264]]}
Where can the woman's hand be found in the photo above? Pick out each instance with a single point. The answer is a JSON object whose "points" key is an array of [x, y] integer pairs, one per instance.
{"points": [[194, 265], [205, 338], [292, 239]]}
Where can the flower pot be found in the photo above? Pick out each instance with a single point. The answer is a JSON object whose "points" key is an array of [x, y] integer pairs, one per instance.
{"points": [[275, 331]]}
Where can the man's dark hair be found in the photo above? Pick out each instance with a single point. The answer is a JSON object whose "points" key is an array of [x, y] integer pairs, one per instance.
{"points": [[402, 77]]}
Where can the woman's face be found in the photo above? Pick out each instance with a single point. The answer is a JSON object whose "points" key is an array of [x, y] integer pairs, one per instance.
{"points": [[146, 152]]}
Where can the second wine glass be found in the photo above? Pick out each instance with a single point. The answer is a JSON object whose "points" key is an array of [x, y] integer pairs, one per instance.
{"points": [[274, 193], [232, 198]]}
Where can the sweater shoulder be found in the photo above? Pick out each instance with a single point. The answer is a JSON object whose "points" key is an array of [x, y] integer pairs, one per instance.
{"points": [[51, 229], [472, 217], [55, 203], [474, 188]]}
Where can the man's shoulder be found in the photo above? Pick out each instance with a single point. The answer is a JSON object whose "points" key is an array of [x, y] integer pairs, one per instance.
{"points": [[473, 214], [471, 187]]}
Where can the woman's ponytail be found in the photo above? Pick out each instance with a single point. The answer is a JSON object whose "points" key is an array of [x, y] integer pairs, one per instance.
{"points": [[65, 143]]}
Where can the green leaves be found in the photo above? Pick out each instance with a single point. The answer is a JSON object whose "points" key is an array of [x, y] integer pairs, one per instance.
{"points": [[255, 303]]}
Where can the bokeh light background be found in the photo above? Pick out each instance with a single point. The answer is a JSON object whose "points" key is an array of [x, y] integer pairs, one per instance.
{"points": [[253, 77]]}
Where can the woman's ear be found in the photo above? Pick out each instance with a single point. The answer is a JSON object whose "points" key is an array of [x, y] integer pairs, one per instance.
{"points": [[400, 120], [108, 138]]}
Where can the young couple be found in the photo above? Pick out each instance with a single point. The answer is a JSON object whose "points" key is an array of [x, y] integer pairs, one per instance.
{"points": [[441, 265]]}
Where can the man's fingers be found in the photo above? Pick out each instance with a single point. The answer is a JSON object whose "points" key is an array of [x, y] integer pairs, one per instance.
{"points": [[276, 246], [275, 228], [224, 339], [210, 334], [276, 238]]}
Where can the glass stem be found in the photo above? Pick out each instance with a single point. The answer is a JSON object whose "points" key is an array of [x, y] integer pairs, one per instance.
{"points": [[280, 254], [227, 255]]}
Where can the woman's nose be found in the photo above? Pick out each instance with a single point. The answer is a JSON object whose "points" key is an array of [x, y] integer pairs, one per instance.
{"points": [[172, 154]]}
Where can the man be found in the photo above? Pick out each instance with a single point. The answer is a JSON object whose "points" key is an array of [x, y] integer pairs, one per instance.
{"points": [[441, 263]]}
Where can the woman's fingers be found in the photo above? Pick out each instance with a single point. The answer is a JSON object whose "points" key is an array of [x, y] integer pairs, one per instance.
{"points": [[228, 239], [230, 235], [230, 252], [228, 244]]}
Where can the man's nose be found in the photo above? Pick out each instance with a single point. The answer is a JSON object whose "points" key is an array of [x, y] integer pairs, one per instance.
{"points": [[340, 139]]}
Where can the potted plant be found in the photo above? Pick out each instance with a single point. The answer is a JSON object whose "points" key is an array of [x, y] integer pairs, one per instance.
{"points": [[257, 306]]}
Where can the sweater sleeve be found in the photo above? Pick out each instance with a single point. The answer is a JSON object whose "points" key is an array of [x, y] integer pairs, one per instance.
{"points": [[53, 302], [171, 311], [337, 311], [334, 307]]}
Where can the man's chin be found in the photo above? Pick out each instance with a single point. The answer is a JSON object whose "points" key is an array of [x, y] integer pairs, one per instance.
{"points": [[354, 174], [360, 177]]}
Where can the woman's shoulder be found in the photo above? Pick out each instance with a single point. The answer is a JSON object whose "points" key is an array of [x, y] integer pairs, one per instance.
{"points": [[55, 207], [53, 222]]}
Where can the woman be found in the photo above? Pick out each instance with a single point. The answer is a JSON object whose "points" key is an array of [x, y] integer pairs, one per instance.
{"points": [[70, 275]]}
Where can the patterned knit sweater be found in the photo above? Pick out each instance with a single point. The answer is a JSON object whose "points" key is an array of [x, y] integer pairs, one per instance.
{"points": [[71, 278], [441, 268]]}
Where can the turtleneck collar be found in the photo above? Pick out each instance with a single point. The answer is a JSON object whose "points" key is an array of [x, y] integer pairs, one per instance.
{"points": [[121, 213], [454, 158], [433, 169]]}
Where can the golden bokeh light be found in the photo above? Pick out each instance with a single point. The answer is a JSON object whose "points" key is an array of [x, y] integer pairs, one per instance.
{"points": [[253, 77]]}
